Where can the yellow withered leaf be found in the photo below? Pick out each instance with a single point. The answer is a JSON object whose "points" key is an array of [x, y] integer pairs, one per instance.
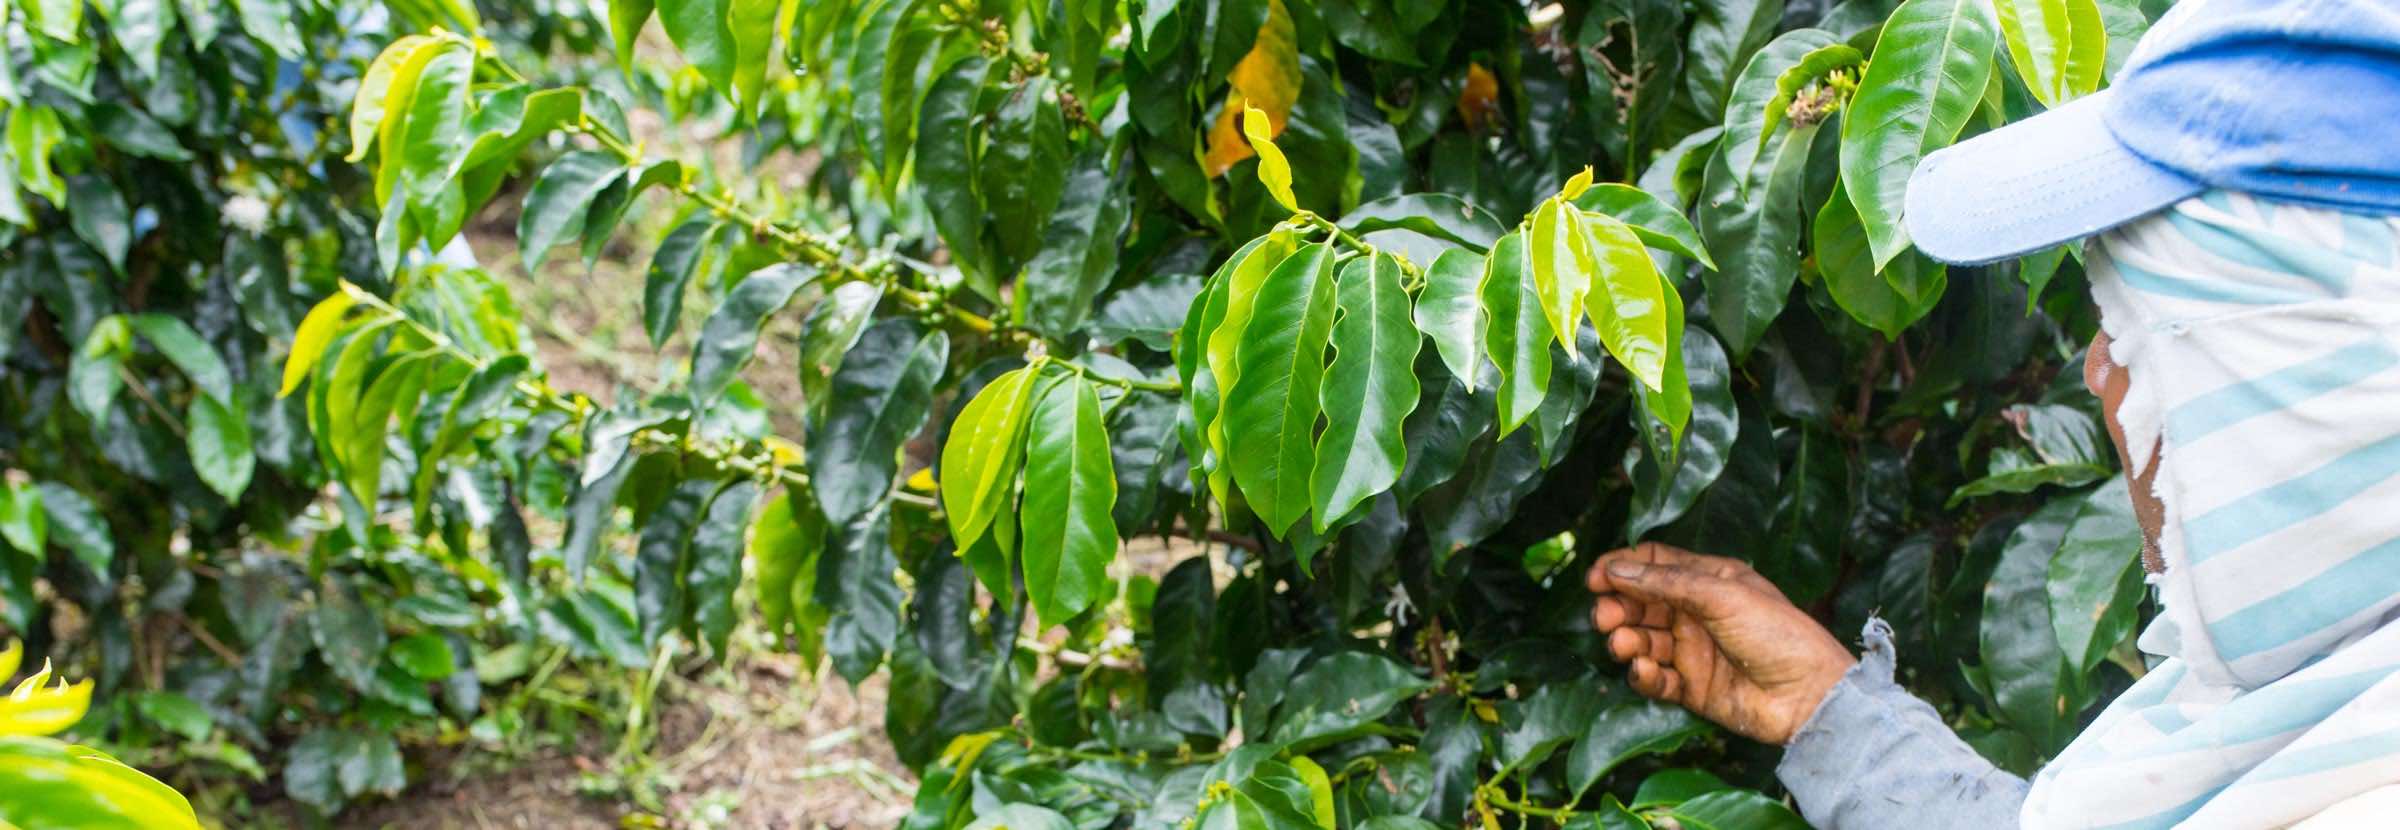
{"points": [[1268, 80]]}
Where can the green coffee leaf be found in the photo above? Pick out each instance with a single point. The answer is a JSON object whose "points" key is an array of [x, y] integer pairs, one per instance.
{"points": [[316, 332], [878, 399], [368, 107], [731, 333], [854, 585], [625, 21], [2095, 583], [659, 560], [560, 198], [1658, 224], [1857, 285], [1627, 303], [191, 355], [1271, 407], [1273, 169], [1450, 313], [77, 524], [702, 30], [946, 167], [218, 435], [2058, 46], [1079, 249], [1070, 535], [979, 461], [1515, 333], [1756, 239], [833, 327], [1563, 268], [2020, 650], [1930, 65], [1373, 377], [686, 252], [786, 537], [23, 522]]}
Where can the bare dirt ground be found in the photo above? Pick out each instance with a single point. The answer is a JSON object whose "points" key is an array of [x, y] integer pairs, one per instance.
{"points": [[759, 748]]}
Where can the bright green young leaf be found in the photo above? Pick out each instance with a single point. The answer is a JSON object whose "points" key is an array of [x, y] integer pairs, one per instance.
{"points": [[1926, 78], [1070, 536], [979, 460], [97, 369], [1450, 312], [316, 331], [1813, 67], [1627, 303], [1271, 408], [1373, 377], [367, 107], [786, 536], [270, 23], [1658, 224], [1563, 269], [1515, 333], [424, 656], [42, 779], [2058, 46], [1273, 169], [1225, 330], [1668, 408]]}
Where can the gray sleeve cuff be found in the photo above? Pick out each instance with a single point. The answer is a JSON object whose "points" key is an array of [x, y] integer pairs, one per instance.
{"points": [[1872, 757]]}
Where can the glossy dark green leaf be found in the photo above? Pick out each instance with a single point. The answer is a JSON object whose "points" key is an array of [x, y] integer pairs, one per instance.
{"points": [[98, 214], [1078, 251], [1756, 238], [1810, 506], [1515, 333], [659, 560], [1667, 484], [607, 460], [730, 336], [878, 399], [1737, 810], [854, 585], [1022, 173], [1338, 694], [1373, 376], [678, 259], [1626, 731], [834, 325], [1857, 285], [218, 436], [1070, 534], [556, 205], [2095, 584], [1926, 77], [1271, 410], [1553, 716], [77, 524], [1724, 34], [1440, 216], [946, 164], [1021, 817], [2020, 652], [348, 634]]}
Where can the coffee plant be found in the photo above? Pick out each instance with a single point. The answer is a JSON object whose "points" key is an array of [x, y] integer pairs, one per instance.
{"points": [[1401, 312]]}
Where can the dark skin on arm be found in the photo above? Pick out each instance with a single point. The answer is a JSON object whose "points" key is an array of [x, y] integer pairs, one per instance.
{"points": [[1710, 634]]}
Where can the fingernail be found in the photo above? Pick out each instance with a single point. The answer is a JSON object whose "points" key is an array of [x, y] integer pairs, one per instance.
{"points": [[1625, 570]]}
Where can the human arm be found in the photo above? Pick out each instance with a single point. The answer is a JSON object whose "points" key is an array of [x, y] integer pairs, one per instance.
{"points": [[1860, 753]]}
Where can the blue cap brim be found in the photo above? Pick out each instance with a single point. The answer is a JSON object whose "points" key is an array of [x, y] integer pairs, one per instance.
{"points": [[2056, 177]]}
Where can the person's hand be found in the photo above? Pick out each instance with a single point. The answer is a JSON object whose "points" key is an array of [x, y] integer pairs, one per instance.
{"points": [[1711, 634]]}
